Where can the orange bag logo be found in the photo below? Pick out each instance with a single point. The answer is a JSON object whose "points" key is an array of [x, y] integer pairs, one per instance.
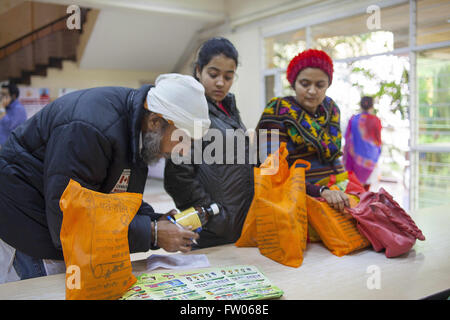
{"points": [[94, 238]]}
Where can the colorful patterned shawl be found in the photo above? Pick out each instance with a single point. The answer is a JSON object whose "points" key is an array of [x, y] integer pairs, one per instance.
{"points": [[362, 144], [321, 134]]}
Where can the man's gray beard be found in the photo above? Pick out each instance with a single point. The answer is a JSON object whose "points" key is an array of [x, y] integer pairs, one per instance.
{"points": [[151, 147]]}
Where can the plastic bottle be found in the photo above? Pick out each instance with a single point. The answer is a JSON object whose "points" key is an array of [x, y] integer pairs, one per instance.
{"points": [[196, 217]]}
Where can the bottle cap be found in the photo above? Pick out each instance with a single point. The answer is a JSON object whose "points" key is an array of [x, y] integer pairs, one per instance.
{"points": [[215, 208]]}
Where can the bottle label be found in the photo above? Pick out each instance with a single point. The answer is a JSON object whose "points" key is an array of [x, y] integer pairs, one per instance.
{"points": [[188, 219]]}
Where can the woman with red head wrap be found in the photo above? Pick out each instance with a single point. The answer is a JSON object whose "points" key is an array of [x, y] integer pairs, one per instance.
{"points": [[309, 122]]}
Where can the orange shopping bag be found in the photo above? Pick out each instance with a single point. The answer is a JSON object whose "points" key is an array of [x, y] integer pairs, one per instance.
{"points": [[312, 235], [277, 220], [94, 238], [345, 181], [337, 230]]}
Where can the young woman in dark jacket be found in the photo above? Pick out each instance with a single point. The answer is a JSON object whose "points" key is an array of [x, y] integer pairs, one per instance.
{"points": [[228, 179]]}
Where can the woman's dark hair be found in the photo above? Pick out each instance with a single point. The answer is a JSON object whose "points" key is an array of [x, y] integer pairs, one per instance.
{"points": [[214, 47], [366, 103], [12, 89]]}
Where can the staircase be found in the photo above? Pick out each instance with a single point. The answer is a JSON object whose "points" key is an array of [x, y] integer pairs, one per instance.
{"points": [[41, 48]]}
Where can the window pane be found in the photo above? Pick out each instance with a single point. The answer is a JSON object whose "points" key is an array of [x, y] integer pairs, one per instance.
{"points": [[433, 79], [433, 83], [380, 31], [432, 21], [388, 86], [434, 179], [286, 86], [282, 48], [269, 87]]}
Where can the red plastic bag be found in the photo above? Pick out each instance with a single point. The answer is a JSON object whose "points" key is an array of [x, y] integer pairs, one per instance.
{"points": [[386, 225]]}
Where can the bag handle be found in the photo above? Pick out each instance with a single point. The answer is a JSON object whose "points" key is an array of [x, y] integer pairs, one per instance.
{"points": [[276, 165], [300, 163]]}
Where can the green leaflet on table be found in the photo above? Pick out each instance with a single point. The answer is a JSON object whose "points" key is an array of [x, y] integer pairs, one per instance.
{"points": [[226, 283]]}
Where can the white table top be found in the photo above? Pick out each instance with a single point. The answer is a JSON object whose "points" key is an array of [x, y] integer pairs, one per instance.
{"points": [[423, 271]]}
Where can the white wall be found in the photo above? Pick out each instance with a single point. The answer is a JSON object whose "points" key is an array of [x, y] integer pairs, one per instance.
{"points": [[248, 86]]}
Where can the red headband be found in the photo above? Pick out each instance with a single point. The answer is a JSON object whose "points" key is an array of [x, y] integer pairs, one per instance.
{"points": [[310, 58]]}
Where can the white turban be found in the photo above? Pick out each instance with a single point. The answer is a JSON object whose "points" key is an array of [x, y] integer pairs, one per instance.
{"points": [[181, 99]]}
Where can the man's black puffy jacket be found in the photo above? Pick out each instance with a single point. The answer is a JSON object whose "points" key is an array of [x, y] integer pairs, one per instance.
{"points": [[228, 185], [91, 136]]}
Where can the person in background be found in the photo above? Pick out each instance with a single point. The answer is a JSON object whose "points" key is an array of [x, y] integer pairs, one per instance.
{"points": [[309, 123], [103, 138], [12, 112], [230, 185], [363, 142]]}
